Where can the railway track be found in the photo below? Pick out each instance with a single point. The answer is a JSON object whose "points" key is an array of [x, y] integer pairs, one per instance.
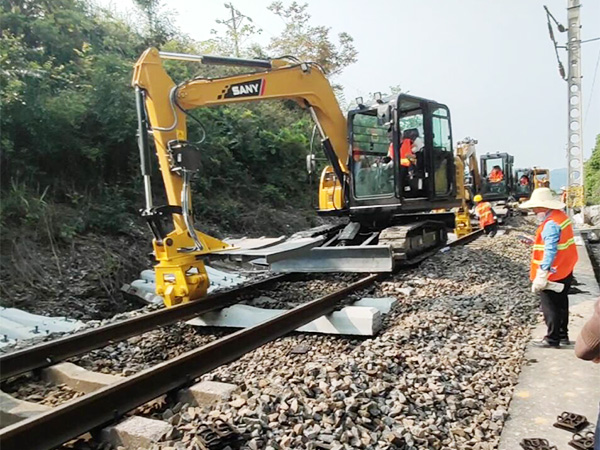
{"points": [[107, 404], [52, 352]]}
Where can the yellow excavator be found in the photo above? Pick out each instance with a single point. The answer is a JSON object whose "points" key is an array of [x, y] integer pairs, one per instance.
{"points": [[466, 151], [541, 177], [388, 203]]}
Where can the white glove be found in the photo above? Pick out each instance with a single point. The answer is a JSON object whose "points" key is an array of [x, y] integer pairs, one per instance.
{"points": [[540, 281], [556, 287]]}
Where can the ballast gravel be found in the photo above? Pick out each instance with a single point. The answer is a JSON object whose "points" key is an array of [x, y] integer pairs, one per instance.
{"points": [[440, 375]]}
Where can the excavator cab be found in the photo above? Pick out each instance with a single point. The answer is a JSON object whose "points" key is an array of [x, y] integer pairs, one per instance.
{"points": [[401, 160], [523, 184], [497, 176]]}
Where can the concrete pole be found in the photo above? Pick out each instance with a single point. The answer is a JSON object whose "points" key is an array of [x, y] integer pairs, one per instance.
{"points": [[575, 191]]}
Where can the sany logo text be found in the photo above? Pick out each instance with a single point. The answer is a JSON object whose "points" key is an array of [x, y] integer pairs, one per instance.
{"points": [[245, 89], [248, 89]]}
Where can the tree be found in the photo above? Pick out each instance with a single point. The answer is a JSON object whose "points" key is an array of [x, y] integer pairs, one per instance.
{"points": [[592, 176], [69, 123], [158, 29], [239, 28], [308, 42]]}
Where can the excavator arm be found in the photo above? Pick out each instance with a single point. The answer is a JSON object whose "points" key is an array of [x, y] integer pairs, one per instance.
{"points": [[162, 106], [466, 157]]}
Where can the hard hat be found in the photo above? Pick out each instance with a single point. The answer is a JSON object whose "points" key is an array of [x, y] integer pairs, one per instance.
{"points": [[542, 198], [563, 188], [477, 198]]}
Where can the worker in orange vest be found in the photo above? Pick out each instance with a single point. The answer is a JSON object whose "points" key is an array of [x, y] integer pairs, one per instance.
{"points": [[407, 157], [552, 262], [563, 194], [496, 175], [486, 215]]}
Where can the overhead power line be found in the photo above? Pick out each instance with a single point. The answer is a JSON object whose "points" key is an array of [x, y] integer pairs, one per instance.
{"points": [[562, 29], [587, 109]]}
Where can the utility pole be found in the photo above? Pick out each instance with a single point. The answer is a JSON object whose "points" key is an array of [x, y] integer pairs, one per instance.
{"points": [[234, 26], [575, 192]]}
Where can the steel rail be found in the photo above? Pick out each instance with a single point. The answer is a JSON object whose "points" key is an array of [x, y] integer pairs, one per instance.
{"points": [[467, 238], [52, 352], [98, 408]]}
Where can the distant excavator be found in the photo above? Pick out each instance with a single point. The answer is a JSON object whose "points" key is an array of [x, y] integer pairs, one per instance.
{"points": [[390, 165], [524, 182], [541, 177]]}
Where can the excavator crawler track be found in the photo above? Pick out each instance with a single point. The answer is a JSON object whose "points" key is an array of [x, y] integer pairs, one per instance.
{"points": [[411, 240]]}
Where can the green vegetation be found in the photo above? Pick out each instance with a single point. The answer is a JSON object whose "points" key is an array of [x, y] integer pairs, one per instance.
{"points": [[69, 162], [592, 176]]}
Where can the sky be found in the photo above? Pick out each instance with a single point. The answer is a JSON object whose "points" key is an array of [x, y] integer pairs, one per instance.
{"points": [[491, 61]]}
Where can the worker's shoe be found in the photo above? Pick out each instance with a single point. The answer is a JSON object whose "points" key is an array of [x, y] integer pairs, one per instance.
{"points": [[566, 341], [545, 343]]}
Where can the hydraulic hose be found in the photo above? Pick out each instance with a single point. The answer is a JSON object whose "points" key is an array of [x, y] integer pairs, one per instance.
{"points": [[187, 209]]}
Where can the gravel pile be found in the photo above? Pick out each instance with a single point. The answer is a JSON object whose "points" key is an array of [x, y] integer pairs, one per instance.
{"points": [[289, 294], [141, 352], [441, 375], [38, 391]]}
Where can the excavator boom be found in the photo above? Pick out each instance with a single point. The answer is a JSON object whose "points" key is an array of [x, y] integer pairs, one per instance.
{"points": [[162, 109]]}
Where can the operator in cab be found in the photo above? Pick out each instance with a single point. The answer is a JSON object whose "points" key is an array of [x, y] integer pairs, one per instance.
{"points": [[524, 180], [496, 175], [552, 262], [410, 144], [487, 218]]}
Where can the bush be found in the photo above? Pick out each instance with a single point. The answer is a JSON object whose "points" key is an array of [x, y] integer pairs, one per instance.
{"points": [[592, 176]]}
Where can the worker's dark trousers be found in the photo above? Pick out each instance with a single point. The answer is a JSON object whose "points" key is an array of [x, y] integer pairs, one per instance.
{"points": [[491, 229], [555, 306], [404, 172]]}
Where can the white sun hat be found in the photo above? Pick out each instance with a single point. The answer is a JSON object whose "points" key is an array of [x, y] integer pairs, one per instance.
{"points": [[542, 198]]}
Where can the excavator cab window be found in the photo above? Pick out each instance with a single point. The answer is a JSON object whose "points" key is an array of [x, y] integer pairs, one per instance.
{"points": [[541, 178], [442, 151], [523, 183], [493, 170], [497, 176], [413, 171], [372, 165]]}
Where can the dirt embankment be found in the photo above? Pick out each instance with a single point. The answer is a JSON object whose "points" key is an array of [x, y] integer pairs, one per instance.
{"points": [[80, 280]]}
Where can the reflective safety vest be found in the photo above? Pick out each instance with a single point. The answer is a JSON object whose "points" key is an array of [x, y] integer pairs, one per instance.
{"points": [[563, 197], [496, 176], [405, 152], [566, 257], [486, 216]]}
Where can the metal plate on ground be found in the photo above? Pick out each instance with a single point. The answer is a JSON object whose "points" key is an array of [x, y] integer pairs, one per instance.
{"points": [[285, 249], [357, 259], [254, 243]]}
